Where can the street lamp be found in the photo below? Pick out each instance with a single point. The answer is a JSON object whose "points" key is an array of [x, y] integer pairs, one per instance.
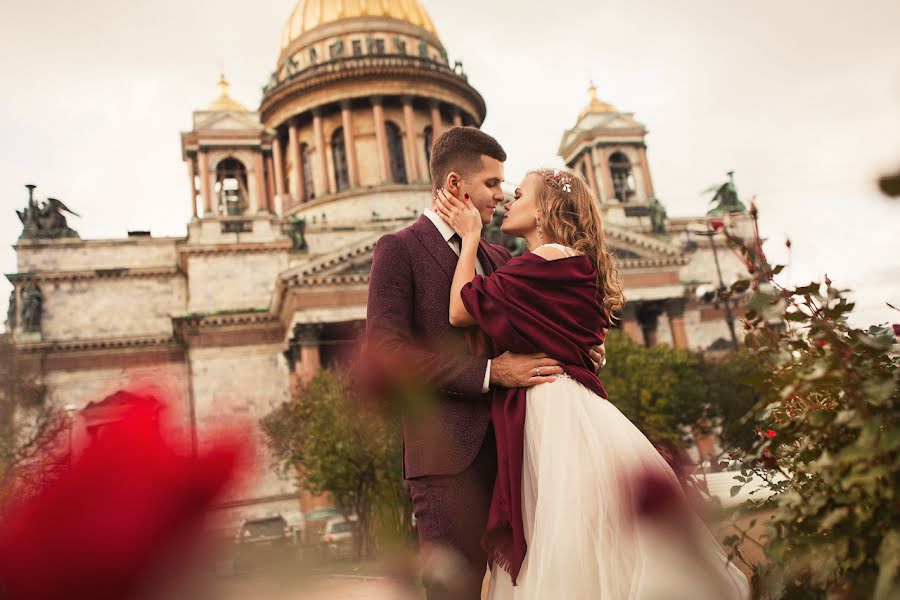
{"points": [[710, 233], [70, 410]]}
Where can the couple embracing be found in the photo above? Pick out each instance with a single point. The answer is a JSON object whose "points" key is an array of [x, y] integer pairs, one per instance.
{"points": [[519, 461]]}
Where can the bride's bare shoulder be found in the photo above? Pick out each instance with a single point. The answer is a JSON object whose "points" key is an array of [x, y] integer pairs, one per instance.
{"points": [[550, 252]]}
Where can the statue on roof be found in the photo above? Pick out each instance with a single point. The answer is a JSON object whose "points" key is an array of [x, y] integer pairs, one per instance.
{"points": [[658, 216], [45, 220], [725, 201]]}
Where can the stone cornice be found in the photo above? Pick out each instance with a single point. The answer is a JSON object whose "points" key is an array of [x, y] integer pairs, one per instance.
{"points": [[99, 345], [372, 69], [230, 319], [239, 248], [58, 276]]}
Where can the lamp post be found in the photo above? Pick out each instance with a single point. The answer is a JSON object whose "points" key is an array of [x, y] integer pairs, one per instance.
{"points": [[70, 410], [710, 233]]}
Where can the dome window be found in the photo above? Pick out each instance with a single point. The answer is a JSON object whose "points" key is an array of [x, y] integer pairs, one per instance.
{"points": [[339, 156], [395, 148]]}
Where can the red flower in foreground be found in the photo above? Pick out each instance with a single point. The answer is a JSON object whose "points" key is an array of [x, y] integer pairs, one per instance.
{"points": [[116, 520], [770, 433], [897, 329], [717, 224]]}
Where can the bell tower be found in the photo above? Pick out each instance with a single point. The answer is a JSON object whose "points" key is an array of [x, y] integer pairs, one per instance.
{"points": [[608, 147], [227, 153]]}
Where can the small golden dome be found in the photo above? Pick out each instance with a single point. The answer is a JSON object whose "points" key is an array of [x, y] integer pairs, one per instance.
{"points": [[596, 105], [309, 14], [224, 101]]}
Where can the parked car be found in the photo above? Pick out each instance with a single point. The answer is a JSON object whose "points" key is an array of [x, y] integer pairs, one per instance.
{"points": [[719, 484], [338, 538], [263, 542]]}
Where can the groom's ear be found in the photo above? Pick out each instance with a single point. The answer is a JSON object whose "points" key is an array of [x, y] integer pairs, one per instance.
{"points": [[454, 182]]}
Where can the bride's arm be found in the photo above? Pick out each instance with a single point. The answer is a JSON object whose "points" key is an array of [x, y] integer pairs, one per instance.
{"points": [[465, 272], [466, 221]]}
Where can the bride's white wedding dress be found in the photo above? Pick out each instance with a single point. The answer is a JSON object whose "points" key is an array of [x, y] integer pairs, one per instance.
{"points": [[578, 488]]}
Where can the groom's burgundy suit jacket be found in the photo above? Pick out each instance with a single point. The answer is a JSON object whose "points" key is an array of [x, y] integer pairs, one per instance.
{"points": [[408, 317]]}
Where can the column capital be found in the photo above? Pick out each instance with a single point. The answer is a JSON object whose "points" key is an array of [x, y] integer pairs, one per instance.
{"points": [[407, 99], [434, 103], [675, 307], [317, 112], [345, 104], [376, 100]]}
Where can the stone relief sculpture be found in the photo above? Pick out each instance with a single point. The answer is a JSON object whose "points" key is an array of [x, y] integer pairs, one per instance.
{"points": [[12, 312], [32, 307]]}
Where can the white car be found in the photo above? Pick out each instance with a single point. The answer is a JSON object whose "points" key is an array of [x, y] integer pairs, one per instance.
{"points": [[720, 483], [338, 537]]}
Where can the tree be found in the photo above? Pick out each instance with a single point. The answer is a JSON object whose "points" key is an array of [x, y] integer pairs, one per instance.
{"points": [[29, 426], [827, 440], [340, 448], [660, 389]]}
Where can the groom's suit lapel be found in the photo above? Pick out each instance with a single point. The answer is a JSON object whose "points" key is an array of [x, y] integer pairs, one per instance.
{"points": [[436, 245], [440, 250]]}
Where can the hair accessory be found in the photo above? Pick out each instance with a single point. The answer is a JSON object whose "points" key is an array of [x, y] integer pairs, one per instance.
{"points": [[557, 179]]}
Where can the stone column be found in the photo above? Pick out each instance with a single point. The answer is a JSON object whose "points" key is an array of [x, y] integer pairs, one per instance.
{"points": [[296, 177], [350, 143], [381, 139], [645, 167], [604, 175], [270, 185], [457, 118], [322, 171], [675, 313], [278, 159], [630, 325], [304, 351], [205, 187], [437, 123], [411, 139], [592, 175], [258, 200], [192, 176]]}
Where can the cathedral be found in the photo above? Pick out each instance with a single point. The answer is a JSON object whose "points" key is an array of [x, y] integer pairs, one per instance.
{"points": [[284, 203]]}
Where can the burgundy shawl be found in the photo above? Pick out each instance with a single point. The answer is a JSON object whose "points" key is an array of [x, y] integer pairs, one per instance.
{"points": [[530, 305]]}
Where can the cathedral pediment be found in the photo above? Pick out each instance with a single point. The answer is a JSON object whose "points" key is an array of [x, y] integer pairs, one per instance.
{"points": [[227, 121], [351, 265]]}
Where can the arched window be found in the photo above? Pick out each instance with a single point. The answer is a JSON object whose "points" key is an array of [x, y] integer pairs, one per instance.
{"points": [[309, 186], [622, 177], [231, 187], [395, 151], [429, 142], [339, 156]]}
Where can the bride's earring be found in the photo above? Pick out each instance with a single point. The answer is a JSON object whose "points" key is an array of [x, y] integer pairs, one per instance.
{"points": [[540, 231]]}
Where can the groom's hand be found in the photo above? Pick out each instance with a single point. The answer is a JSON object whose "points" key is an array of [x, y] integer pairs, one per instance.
{"points": [[523, 370], [598, 357]]}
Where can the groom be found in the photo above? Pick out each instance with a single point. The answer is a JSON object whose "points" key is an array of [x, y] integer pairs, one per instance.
{"points": [[449, 458]]}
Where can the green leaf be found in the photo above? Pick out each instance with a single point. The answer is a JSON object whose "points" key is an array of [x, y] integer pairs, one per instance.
{"points": [[735, 490]]}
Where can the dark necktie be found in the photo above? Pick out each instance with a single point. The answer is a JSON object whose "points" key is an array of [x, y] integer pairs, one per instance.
{"points": [[457, 243]]}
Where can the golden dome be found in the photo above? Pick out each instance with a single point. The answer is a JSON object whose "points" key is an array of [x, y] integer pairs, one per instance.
{"points": [[224, 101], [309, 14], [596, 105]]}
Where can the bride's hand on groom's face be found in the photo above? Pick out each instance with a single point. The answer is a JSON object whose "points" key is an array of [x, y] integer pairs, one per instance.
{"points": [[460, 214]]}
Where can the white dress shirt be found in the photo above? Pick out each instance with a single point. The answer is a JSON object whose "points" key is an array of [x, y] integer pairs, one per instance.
{"points": [[447, 232]]}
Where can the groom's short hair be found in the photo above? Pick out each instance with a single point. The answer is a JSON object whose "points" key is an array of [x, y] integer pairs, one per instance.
{"points": [[460, 149]]}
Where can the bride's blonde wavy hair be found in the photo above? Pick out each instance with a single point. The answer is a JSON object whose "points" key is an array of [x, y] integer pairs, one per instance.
{"points": [[570, 216]]}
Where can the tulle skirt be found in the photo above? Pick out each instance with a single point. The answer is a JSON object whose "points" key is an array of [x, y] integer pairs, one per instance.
{"points": [[583, 460]]}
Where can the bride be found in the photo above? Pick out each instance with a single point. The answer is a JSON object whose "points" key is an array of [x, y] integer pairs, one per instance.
{"points": [[583, 505]]}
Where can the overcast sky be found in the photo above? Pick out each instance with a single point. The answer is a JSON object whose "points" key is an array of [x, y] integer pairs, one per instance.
{"points": [[800, 97]]}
